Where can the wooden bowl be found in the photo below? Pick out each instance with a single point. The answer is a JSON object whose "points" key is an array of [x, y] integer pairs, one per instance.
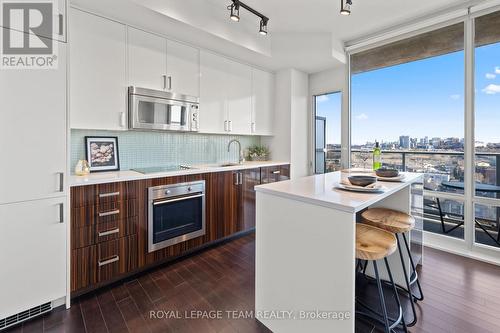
{"points": [[362, 180], [387, 173]]}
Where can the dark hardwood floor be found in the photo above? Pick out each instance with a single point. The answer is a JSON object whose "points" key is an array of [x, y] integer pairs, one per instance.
{"points": [[461, 295]]}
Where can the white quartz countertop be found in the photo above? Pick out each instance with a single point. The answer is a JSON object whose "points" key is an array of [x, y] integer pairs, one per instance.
{"points": [[122, 176], [319, 190]]}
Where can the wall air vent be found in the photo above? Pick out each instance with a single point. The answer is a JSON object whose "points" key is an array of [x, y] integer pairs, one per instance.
{"points": [[25, 315]]}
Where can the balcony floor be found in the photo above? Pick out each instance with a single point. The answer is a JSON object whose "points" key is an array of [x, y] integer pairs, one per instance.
{"points": [[461, 295]]}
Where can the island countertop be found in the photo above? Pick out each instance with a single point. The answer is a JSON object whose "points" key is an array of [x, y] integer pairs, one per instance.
{"points": [[320, 190]]}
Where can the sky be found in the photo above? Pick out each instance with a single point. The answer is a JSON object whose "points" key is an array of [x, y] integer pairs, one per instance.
{"points": [[421, 98]]}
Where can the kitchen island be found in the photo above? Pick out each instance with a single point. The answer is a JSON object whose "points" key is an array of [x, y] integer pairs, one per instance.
{"points": [[305, 250]]}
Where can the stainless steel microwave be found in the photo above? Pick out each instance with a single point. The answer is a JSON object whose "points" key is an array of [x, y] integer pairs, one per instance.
{"points": [[160, 110]]}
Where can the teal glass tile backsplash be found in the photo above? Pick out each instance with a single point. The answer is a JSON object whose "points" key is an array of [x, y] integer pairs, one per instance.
{"points": [[148, 149]]}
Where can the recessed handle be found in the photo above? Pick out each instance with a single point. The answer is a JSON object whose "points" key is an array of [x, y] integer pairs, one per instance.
{"points": [[61, 213], [108, 261], [109, 232], [107, 195], [113, 212], [61, 181], [61, 24]]}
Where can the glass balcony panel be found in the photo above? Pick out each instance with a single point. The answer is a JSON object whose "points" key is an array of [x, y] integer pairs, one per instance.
{"points": [[486, 219]]}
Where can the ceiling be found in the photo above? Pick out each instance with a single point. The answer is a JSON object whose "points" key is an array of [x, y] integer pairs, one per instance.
{"points": [[303, 34]]}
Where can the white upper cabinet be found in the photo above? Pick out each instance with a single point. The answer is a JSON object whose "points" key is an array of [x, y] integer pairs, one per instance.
{"points": [[98, 84], [183, 68], [225, 95], [33, 132], [213, 111], [239, 97], [262, 102], [147, 61]]}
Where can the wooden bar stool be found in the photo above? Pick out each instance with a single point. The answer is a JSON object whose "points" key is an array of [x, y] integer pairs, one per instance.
{"points": [[398, 223], [374, 244]]}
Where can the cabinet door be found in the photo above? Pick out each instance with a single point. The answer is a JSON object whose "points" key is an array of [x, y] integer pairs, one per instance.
{"points": [[213, 83], [262, 102], [183, 67], [238, 97], [147, 63], [98, 85], [33, 132], [32, 253], [249, 179]]}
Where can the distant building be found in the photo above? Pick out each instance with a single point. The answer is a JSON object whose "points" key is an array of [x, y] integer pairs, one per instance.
{"points": [[404, 142]]}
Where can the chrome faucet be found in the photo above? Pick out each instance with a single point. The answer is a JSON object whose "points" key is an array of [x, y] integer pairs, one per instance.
{"points": [[242, 159]]}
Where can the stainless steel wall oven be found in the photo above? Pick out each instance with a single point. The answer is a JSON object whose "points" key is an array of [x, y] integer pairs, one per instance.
{"points": [[176, 213]]}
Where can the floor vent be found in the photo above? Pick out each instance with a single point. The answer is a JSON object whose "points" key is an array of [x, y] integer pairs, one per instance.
{"points": [[25, 315]]}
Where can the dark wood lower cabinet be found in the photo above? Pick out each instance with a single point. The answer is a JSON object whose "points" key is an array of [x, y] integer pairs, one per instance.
{"points": [[108, 247]]}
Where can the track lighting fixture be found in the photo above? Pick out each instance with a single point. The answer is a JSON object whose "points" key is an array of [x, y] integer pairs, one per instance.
{"points": [[263, 27], [235, 14], [345, 7]]}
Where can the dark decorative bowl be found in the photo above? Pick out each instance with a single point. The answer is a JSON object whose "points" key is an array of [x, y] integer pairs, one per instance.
{"points": [[362, 180], [387, 173]]}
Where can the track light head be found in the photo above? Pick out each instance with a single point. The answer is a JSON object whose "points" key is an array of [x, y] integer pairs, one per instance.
{"points": [[235, 12], [345, 7], [263, 27]]}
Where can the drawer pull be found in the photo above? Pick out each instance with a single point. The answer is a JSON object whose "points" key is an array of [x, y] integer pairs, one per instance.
{"points": [[107, 195], [113, 212], [109, 232], [108, 261], [276, 172]]}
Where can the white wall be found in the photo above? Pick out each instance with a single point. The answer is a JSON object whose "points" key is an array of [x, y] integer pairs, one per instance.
{"points": [[291, 121], [331, 80]]}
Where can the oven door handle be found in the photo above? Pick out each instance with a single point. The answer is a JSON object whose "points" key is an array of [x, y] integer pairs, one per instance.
{"points": [[178, 199]]}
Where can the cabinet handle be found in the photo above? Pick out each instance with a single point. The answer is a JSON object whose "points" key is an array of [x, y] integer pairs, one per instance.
{"points": [[61, 30], [61, 213], [225, 126], [230, 126], [106, 195], [277, 172], [169, 83], [108, 261], [108, 232], [164, 82], [61, 181], [241, 178], [113, 212], [253, 127], [236, 178]]}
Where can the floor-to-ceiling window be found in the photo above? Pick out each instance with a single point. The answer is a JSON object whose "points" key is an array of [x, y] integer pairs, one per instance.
{"points": [[409, 96], [327, 127], [487, 130]]}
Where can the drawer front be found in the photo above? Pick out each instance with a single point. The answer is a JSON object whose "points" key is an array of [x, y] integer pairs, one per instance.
{"points": [[284, 172], [102, 232], [104, 213], [116, 257], [270, 174], [103, 193], [102, 262]]}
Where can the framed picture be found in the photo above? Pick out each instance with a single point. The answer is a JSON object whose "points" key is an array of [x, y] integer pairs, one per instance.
{"points": [[102, 153]]}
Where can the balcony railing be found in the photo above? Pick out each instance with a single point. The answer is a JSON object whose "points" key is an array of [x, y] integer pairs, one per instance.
{"points": [[439, 166]]}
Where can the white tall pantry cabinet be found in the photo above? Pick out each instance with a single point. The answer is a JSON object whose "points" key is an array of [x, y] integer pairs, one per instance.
{"points": [[33, 190]]}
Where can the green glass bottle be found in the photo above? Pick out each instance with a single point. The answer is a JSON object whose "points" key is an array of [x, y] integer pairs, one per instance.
{"points": [[377, 157]]}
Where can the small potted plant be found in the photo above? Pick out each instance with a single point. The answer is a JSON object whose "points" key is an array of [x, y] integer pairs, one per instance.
{"points": [[258, 153]]}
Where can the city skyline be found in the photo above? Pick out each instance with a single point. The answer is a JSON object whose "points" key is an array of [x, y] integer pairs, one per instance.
{"points": [[433, 104]]}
